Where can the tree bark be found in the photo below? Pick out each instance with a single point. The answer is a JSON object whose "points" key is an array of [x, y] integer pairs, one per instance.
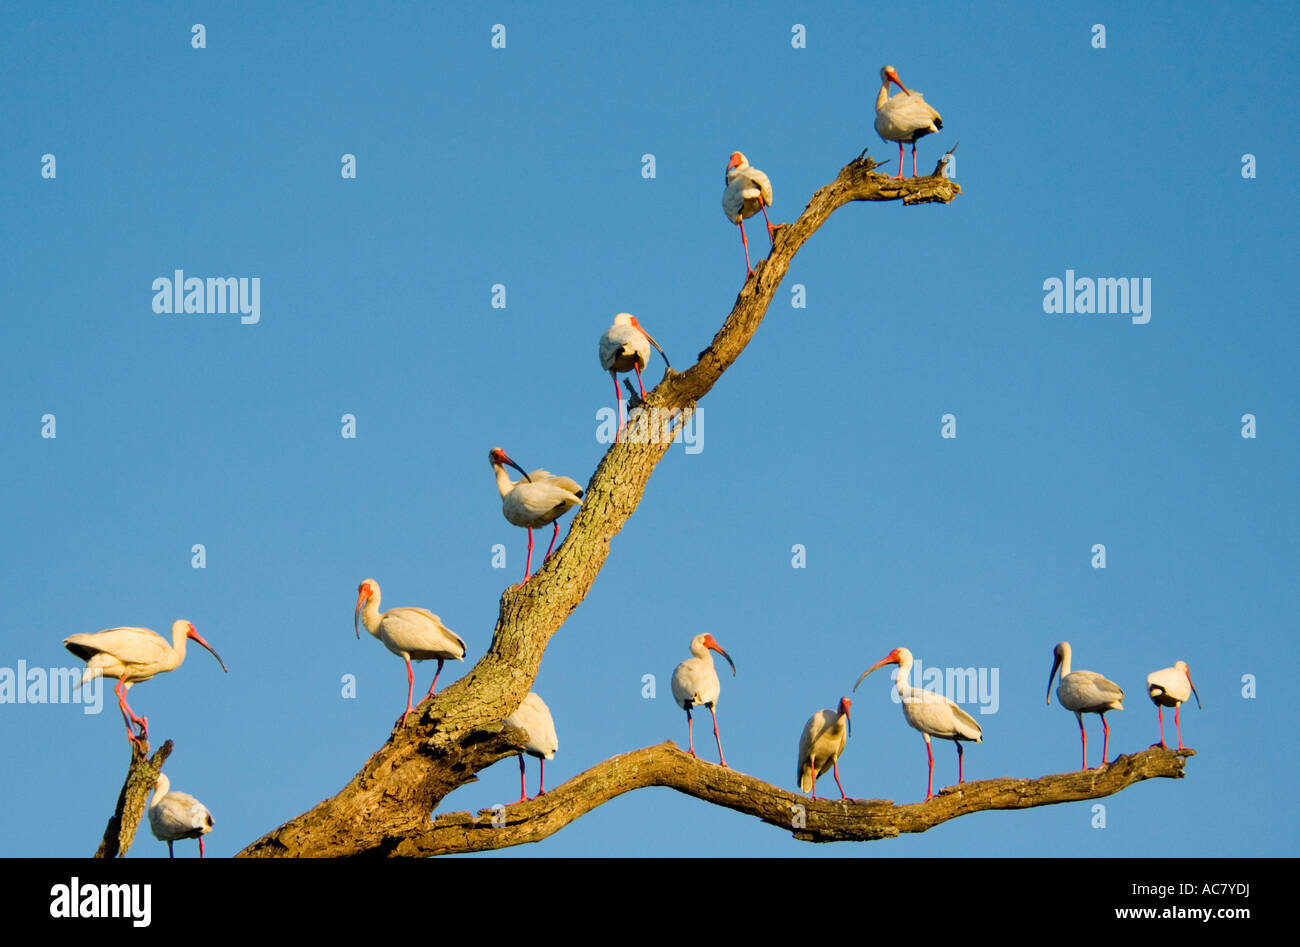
{"points": [[141, 775], [385, 808], [806, 819]]}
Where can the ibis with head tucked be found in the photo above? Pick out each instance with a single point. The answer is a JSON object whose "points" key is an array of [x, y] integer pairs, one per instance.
{"points": [[177, 815], [904, 118], [823, 740], [931, 713], [132, 655], [625, 347], [746, 192], [533, 501], [1169, 687], [413, 634], [1084, 692], [534, 717], [696, 682]]}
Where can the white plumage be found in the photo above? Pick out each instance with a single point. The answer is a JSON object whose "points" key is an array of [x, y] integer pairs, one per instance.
{"points": [[904, 118], [696, 682], [1170, 687], [820, 745], [413, 634], [534, 501], [132, 655], [177, 815], [1084, 692], [747, 190], [534, 717], [625, 347], [933, 714]]}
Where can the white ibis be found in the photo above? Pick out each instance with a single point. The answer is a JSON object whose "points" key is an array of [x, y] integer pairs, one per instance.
{"points": [[534, 717], [696, 682], [176, 815], [534, 501], [133, 655], [626, 346], [1169, 687], [747, 192], [1084, 692], [823, 740], [904, 118], [931, 713], [413, 634]]}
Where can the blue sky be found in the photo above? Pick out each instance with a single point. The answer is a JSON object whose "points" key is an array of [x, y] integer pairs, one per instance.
{"points": [[523, 166]]}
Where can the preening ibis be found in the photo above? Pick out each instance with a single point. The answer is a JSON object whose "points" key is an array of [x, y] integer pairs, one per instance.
{"points": [[747, 191], [534, 717], [1169, 687], [413, 634], [904, 118], [133, 655], [696, 682], [1084, 692], [823, 740], [626, 346], [931, 713], [534, 501], [176, 815]]}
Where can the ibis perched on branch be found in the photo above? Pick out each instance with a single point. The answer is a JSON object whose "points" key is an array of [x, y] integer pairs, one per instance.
{"points": [[625, 347], [1084, 692], [823, 740], [904, 118], [132, 655], [696, 682], [746, 192], [534, 501], [534, 717], [1169, 687]]}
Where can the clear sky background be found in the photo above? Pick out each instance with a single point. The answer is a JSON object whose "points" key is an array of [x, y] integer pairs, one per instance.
{"points": [[523, 166]]}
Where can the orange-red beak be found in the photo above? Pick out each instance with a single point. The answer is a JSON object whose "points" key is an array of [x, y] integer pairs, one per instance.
{"points": [[199, 639]]}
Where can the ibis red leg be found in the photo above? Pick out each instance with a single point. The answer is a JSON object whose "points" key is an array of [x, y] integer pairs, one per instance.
{"points": [[900, 160], [554, 533], [410, 684], [432, 691], [1177, 707], [541, 783], [528, 563], [745, 243], [1161, 711], [771, 239], [1083, 735], [200, 846], [523, 794], [718, 738], [929, 754], [835, 768], [618, 397], [1105, 742], [913, 159], [637, 366]]}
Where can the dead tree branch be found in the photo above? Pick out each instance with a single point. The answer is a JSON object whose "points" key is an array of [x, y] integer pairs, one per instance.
{"points": [[459, 731], [809, 820], [141, 775]]}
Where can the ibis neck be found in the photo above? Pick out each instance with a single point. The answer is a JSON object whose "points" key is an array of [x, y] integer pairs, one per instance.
{"points": [[883, 97], [1065, 664], [370, 615], [904, 673], [164, 785], [504, 483]]}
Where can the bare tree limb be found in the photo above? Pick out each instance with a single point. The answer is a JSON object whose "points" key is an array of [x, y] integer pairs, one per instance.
{"points": [[141, 775], [458, 732], [809, 820]]}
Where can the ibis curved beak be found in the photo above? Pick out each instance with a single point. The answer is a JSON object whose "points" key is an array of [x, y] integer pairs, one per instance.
{"points": [[356, 614], [849, 723], [1196, 695], [879, 664], [520, 469], [198, 638], [651, 339], [895, 81], [718, 648], [1051, 677]]}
